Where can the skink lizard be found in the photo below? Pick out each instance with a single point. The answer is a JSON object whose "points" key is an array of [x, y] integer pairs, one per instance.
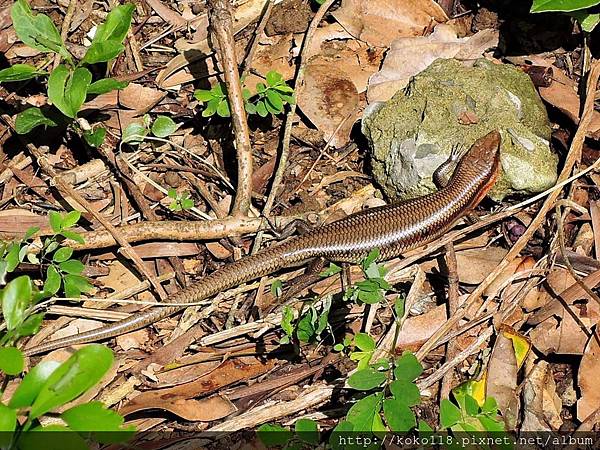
{"points": [[394, 229]]}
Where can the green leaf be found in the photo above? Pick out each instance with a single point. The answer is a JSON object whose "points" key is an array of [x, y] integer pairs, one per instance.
{"points": [[19, 72], [134, 133], [56, 221], [31, 325], [30, 118], [370, 259], [16, 297], [364, 342], [8, 420], [449, 414], [12, 257], [471, 406], [8, 424], [116, 25], [408, 367], [261, 109], [72, 266], [366, 379], [370, 297], [31, 384], [284, 88], [250, 108], [223, 108], [306, 329], [398, 416], [286, 320], [203, 95], [340, 433], [53, 281], [37, 30], [105, 85], [11, 361], [490, 406], [561, 5], [273, 435], [274, 100], [163, 127], [95, 138], [362, 412], [30, 232], [67, 90], [273, 78], [587, 20], [73, 236], [74, 377], [62, 254], [52, 437], [424, 427], [405, 392], [71, 218], [75, 285], [270, 108], [102, 52], [95, 417], [491, 425], [307, 430]]}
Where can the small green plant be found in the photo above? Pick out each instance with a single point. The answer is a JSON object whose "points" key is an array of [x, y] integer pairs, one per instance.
{"points": [[162, 127], [467, 416], [47, 387], [311, 322], [304, 436], [270, 98], [71, 82], [21, 294], [578, 9], [181, 202], [373, 288], [394, 393]]}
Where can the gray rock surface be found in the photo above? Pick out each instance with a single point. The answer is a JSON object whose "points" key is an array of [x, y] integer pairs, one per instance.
{"points": [[449, 104]]}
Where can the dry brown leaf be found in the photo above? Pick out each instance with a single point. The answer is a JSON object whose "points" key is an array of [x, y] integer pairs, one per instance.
{"points": [[332, 45], [541, 404], [166, 13], [379, 22], [205, 410], [475, 264], [587, 379], [140, 98], [556, 329], [185, 374], [135, 339], [272, 53], [217, 250], [229, 372], [416, 330], [562, 94], [330, 101], [502, 379], [410, 55], [104, 101]]}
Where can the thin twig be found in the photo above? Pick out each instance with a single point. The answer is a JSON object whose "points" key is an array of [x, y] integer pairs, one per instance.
{"points": [[260, 29], [220, 18], [64, 30]]}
